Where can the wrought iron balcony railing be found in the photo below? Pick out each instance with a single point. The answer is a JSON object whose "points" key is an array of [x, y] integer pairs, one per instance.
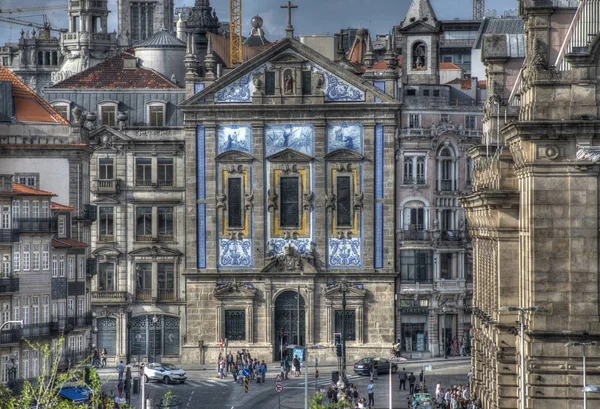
{"points": [[40, 330], [166, 294], [10, 336], [414, 235], [107, 186], [451, 235], [411, 180], [446, 185], [35, 225], [9, 285], [109, 296], [9, 235], [143, 294]]}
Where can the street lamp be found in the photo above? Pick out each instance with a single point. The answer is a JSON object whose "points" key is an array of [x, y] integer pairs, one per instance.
{"points": [[585, 386], [344, 289], [522, 311]]}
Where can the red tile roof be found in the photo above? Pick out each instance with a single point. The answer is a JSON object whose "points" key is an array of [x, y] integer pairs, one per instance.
{"points": [[482, 84], [29, 106], [67, 243], [465, 84], [111, 74], [61, 207], [29, 191], [449, 66], [381, 65]]}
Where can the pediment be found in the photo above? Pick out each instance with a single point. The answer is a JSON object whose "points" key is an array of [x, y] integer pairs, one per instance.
{"points": [[289, 155], [239, 85], [353, 291], [234, 156], [234, 290], [106, 254], [420, 27], [155, 251], [290, 262], [344, 155], [108, 138]]}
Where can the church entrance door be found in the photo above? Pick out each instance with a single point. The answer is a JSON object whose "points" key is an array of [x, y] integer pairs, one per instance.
{"points": [[289, 315]]}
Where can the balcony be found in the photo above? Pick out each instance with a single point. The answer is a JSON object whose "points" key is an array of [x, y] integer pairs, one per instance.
{"points": [[145, 237], [9, 285], [91, 267], [110, 186], [109, 297], [143, 294], [409, 180], [446, 185], [106, 238], [80, 320], [166, 295], [451, 235], [167, 183], [36, 225], [414, 235], [10, 336], [40, 330], [88, 213], [144, 183], [9, 235]]}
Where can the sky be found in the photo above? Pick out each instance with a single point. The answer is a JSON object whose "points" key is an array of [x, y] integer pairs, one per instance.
{"points": [[311, 17]]}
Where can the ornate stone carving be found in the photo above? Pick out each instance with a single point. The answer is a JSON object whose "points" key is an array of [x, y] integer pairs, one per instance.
{"points": [[552, 152], [290, 261], [236, 235], [234, 289], [290, 168], [359, 201], [330, 201], [307, 201], [222, 202], [236, 168], [249, 201], [272, 200]]}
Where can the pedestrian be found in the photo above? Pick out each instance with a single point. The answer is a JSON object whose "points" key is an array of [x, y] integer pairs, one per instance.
{"points": [[120, 369], [128, 385], [234, 372], [411, 383], [454, 346], [282, 370], [403, 376], [371, 393], [374, 369], [422, 380], [104, 355], [263, 372], [221, 367], [286, 362], [355, 396], [120, 387], [296, 366]]}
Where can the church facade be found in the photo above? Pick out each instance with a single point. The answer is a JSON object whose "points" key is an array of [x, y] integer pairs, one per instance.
{"points": [[286, 196]]}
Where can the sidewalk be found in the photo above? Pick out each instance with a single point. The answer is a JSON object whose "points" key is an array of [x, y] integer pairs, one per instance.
{"points": [[276, 364]]}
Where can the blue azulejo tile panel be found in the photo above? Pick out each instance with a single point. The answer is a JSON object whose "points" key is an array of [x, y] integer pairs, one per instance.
{"points": [[200, 163], [379, 163], [235, 253], [380, 85], [345, 136], [239, 91], [338, 90], [378, 235], [201, 236], [276, 246], [199, 87], [283, 136], [234, 137], [345, 253]]}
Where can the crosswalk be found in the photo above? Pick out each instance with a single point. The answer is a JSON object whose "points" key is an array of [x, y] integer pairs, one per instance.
{"points": [[299, 382]]}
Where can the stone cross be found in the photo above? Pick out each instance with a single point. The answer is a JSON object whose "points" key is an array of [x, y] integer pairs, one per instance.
{"points": [[289, 30]]}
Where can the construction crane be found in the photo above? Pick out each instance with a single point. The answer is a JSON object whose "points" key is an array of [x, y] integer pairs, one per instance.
{"points": [[235, 32], [29, 9], [478, 9], [45, 26]]}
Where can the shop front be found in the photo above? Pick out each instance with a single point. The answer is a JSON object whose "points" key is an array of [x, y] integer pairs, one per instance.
{"points": [[414, 328]]}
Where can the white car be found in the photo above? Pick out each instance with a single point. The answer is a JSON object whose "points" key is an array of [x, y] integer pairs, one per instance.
{"points": [[166, 373]]}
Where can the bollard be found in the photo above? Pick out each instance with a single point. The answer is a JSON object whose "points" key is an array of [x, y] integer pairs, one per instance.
{"points": [[246, 384]]}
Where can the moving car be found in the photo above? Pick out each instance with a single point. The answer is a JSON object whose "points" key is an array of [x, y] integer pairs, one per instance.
{"points": [[363, 367], [166, 373]]}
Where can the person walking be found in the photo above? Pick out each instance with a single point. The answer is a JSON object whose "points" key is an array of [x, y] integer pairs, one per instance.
{"points": [[128, 385], [104, 355], [120, 369], [403, 376], [374, 370], [371, 393], [221, 367], [296, 366], [411, 383], [286, 362]]}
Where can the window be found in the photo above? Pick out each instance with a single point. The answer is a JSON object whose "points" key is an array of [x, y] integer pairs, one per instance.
{"points": [[62, 226], [470, 122], [25, 312], [468, 267], [306, 82], [70, 307], [105, 168], [156, 114], [144, 281], [80, 307], [425, 92], [80, 342], [414, 334], [469, 176], [35, 311], [416, 266], [71, 268], [6, 217], [166, 276], [106, 277], [71, 343], [81, 266], [411, 92], [26, 209], [106, 224], [143, 223], [46, 309], [16, 257], [235, 214], [346, 323], [5, 266], [447, 266], [35, 209], [444, 118], [17, 309], [142, 19], [143, 172], [165, 223], [446, 165], [25, 365], [16, 210], [61, 266], [414, 170], [45, 210], [45, 257], [26, 257], [289, 202], [436, 92], [36, 258], [269, 83], [446, 219], [235, 325], [417, 219], [108, 115], [165, 171], [28, 179], [63, 110], [414, 121], [54, 266], [344, 201]]}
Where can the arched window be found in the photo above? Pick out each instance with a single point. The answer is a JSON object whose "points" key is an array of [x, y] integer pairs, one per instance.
{"points": [[40, 58], [54, 58], [107, 334], [419, 56], [446, 170], [47, 58]]}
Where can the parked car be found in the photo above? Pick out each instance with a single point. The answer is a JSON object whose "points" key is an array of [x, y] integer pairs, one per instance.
{"points": [[363, 367], [166, 373]]}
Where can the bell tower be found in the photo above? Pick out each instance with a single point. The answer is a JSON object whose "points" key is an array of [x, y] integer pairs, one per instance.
{"points": [[420, 45], [139, 20]]}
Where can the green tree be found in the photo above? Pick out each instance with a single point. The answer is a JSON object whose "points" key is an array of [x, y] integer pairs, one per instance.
{"points": [[315, 403]]}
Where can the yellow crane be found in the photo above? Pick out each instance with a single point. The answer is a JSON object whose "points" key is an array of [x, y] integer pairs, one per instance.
{"points": [[235, 32], [30, 9]]}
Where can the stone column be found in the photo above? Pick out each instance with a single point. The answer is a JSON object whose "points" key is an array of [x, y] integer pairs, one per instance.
{"points": [[310, 314], [269, 311], [319, 214], [259, 190], [360, 325], [219, 321], [211, 188], [250, 323]]}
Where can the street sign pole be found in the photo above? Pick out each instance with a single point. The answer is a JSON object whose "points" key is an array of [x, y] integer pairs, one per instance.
{"points": [[279, 398]]}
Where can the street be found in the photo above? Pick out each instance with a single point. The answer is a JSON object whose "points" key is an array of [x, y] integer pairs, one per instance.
{"points": [[204, 390]]}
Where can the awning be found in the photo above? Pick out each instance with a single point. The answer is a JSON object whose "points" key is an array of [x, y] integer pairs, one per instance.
{"points": [[79, 394]]}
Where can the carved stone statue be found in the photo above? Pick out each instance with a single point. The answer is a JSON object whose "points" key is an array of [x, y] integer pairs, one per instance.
{"points": [[307, 200], [249, 201], [288, 84], [272, 200], [330, 201], [359, 201], [222, 202]]}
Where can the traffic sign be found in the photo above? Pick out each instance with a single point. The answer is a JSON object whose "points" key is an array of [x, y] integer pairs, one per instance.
{"points": [[246, 372], [278, 379], [278, 388]]}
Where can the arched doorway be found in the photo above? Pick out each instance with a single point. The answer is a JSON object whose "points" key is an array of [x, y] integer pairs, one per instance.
{"points": [[289, 315], [154, 336]]}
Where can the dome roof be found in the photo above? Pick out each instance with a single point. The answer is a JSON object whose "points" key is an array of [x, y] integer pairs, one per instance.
{"points": [[162, 39], [361, 32], [256, 21]]}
